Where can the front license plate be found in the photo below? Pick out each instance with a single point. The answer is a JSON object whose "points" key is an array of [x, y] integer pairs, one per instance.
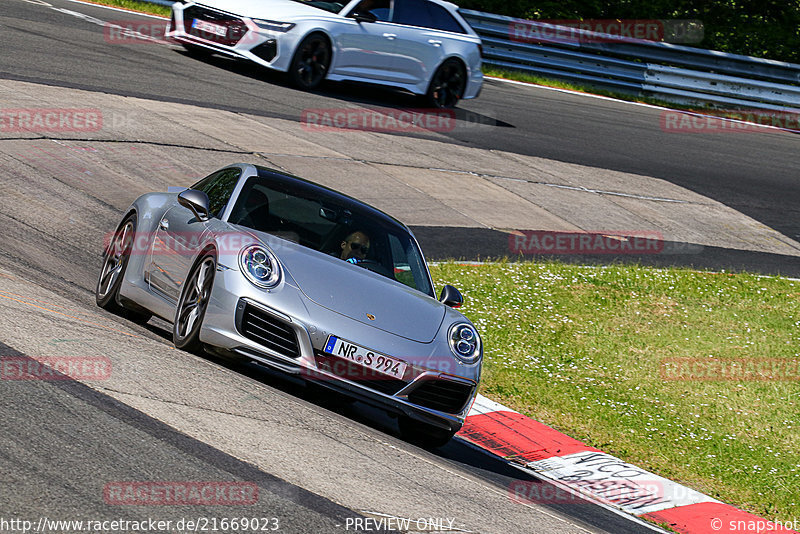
{"points": [[372, 360], [210, 27]]}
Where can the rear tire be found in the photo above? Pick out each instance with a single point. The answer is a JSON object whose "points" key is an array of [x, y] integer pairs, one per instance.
{"points": [[447, 85], [423, 434], [115, 264]]}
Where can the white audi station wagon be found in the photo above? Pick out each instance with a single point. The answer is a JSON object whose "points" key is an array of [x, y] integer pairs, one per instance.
{"points": [[423, 46]]}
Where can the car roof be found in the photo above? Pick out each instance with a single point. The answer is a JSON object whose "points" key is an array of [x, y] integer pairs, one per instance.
{"points": [[444, 3], [315, 190]]}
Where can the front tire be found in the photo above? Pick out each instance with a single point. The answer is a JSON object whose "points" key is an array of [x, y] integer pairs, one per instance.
{"points": [[115, 263], [447, 85], [311, 62], [193, 303], [423, 434]]}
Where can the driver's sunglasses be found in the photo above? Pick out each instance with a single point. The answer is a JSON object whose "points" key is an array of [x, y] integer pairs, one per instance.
{"points": [[358, 246]]}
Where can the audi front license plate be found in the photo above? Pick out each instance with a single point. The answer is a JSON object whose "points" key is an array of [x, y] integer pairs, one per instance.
{"points": [[372, 360], [210, 27]]}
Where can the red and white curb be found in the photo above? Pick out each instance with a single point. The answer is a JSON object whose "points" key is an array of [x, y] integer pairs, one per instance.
{"points": [[585, 471]]}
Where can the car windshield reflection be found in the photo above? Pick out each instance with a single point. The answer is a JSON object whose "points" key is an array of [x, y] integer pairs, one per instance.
{"points": [[328, 226]]}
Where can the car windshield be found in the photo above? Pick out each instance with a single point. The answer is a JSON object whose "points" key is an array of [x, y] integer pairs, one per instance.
{"points": [[333, 7], [325, 224]]}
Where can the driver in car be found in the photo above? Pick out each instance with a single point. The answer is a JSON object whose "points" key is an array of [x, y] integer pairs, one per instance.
{"points": [[355, 247]]}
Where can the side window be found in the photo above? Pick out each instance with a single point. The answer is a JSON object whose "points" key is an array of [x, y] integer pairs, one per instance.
{"points": [[382, 9], [443, 20], [425, 15], [412, 13], [218, 186]]}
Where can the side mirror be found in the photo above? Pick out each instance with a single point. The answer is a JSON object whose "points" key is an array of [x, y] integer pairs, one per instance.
{"points": [[363, 16], [451, 297], [195, 200]]}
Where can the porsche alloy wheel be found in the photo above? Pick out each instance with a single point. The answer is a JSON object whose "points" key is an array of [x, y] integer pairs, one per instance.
{"points": [[115, 262], [311, 62], [447, 85], [192, 304]]}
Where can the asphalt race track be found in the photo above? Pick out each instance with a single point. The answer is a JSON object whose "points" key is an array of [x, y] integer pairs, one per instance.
{"points": [[319, 465], [753, 173]]}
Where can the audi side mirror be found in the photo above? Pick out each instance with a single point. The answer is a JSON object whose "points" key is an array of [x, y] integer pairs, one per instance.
{"points": [[363, 16]]}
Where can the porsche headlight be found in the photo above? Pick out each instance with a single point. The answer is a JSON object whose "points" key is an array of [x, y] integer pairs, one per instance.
{"points": [[465, 342], [274, 25], [260, 266]]}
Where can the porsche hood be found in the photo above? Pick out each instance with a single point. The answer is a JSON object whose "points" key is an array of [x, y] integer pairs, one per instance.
{"points": [[361, 295]]}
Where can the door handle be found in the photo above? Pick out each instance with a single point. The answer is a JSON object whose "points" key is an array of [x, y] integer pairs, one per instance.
{"points": [[164, 224], [435, 42], [390, 36]]}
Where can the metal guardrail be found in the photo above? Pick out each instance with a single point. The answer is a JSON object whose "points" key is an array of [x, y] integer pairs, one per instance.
{"points": [[669, 71]]}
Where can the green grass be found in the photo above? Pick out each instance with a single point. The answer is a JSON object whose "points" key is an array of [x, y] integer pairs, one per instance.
{"points": [[134, 5], [581, 349]]}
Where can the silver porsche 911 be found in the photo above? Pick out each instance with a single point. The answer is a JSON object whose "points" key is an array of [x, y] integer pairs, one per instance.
{"points": [[257, 264]]}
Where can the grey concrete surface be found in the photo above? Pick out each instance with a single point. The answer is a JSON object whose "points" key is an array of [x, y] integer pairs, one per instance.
{"points": [[423, 182], [299, 444]]}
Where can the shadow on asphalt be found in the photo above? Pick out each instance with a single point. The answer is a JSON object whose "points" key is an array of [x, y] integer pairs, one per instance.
{"points": [[357, 93]]}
